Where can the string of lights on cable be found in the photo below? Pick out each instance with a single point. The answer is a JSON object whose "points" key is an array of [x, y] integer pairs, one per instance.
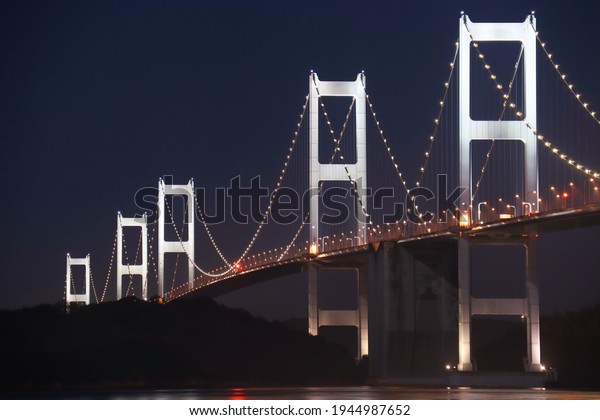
{"points": [[278, 184], [389, 150], [110, 264], [563, 77], [124, 245], [93, 286], [179, 238], [432, 138]]}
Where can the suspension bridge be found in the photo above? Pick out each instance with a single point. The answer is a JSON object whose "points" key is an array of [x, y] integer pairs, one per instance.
{"points": [[513, 152]]}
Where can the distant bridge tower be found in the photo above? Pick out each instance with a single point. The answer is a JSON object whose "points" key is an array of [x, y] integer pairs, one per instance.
{"points": [[185, 246], [130, 268], [78, 297], [319, 172], [471, 130]]}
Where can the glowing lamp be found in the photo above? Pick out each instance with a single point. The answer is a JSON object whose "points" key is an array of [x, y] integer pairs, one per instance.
{"points": [[464, 221]]}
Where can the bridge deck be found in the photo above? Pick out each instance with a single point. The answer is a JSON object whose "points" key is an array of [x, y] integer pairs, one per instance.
{"points": [[353, 257]]}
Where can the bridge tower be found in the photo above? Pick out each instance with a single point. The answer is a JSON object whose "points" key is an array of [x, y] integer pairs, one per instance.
{"points": [[132, 269], [319, 172], [180, 245], [78, 297], [471, 130]]}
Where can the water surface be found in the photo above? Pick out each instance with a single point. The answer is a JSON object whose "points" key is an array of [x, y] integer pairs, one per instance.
{"points": [[320, 393]]}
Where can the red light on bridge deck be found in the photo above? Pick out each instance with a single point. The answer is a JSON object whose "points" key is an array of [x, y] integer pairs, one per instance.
{"points": [[237, 394], [237, 266]]}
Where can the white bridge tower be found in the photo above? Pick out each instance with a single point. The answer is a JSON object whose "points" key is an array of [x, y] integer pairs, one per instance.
{"points": [[180, 245], [129, 269], [470, 130], [78, 297], [319, 172]]}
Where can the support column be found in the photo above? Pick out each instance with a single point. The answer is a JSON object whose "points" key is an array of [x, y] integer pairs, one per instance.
{"points": [[313, 308], [363, 313], [464, 305], [533, 308], [379, 291]]}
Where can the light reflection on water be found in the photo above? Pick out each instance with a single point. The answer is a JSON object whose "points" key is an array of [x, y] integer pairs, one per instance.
{"points": [[355, 393]]}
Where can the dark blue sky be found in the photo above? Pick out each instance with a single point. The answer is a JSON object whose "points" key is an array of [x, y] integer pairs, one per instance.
{"points": [[99, 99]]}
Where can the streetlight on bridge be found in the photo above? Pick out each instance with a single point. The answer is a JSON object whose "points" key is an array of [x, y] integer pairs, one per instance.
{"points": [[510, 206], [479, 211]]}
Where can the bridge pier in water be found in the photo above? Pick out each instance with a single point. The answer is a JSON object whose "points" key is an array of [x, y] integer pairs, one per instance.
{"points": [[413, 306]]}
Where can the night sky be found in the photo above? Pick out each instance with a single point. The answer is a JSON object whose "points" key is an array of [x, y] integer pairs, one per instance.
{"points": [[100, 99]]}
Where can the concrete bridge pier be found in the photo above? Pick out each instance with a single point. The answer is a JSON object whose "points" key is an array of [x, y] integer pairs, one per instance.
{"points": [[412, 311]]}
